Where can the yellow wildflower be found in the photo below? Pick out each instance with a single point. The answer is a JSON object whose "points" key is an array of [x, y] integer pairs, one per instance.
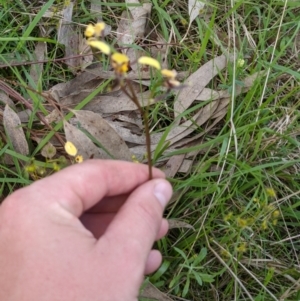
{"points": [[170, 79], [94, 30], [89, 31], [276, 214], [103, 47], [173, 84], [99, 27], [170, 74], [149, 61], [71, 149], [78, 159], [120, 63]]}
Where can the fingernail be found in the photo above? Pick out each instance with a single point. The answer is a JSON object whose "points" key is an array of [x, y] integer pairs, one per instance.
{"points": [[162, 192]]}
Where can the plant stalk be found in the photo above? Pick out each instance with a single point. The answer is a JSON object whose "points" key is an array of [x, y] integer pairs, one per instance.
{"points": [[144, 114]]}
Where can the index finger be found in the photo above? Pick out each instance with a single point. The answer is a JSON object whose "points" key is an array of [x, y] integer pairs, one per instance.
{"points": [[79, 187]]}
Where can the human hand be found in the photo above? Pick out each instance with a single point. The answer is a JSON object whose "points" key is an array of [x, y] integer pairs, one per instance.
{"points": [[46, 254]]}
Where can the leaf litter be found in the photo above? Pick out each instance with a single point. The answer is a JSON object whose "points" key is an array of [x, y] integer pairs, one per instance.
{"points": [[104, 133], [107, 120], [14, 131], [86, 148]]}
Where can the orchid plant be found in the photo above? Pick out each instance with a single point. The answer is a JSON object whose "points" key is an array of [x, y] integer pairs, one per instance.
{"points": [[121, 65]]}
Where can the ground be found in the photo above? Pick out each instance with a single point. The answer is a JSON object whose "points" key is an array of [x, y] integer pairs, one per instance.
{"points": [[227, 137]]}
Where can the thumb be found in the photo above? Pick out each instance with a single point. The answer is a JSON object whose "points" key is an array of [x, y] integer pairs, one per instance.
{"points": [[135, 227]]}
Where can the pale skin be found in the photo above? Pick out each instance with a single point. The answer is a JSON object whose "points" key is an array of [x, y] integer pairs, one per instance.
{"points": [[83, 234]]}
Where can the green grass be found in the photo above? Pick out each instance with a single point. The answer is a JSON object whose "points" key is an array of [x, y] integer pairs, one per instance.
{"points": [[244, 245]]}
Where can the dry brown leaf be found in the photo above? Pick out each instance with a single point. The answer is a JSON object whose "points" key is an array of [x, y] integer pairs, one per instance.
{"points": [[186, 166], [86, 51], [36, 70], [54, 116], [106, 103], [110, 104], [191, 141], [129, 136], [132, 24], [126, 134], [222, 108], [86, 148], [151, 292], [133, 119], [176, 223], [216, 113], [69, 37], [173, 165], [207, 94], [75, 85], [195, 6], [12, 125], [24, 115], [104, 134], [197, 82], [96, 9], [190, 125], [4, 98], [140, 151], [159, 49]]}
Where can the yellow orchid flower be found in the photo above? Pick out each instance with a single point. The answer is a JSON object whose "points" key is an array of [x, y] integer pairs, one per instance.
{"points": [[103, 47], [149, 61], [71, 149], [99, 27], [89, 31], [94, 30], [173, 83], [79, 159], [170, 74], [120, 62]]}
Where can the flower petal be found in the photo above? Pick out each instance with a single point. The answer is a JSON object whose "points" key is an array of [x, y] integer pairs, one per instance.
{"points": [[171, 74], [120, 58], [79, 159], [99, 27], [103, 47], [146, 60], [70, 148], [120, 63], [90, 31]]}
